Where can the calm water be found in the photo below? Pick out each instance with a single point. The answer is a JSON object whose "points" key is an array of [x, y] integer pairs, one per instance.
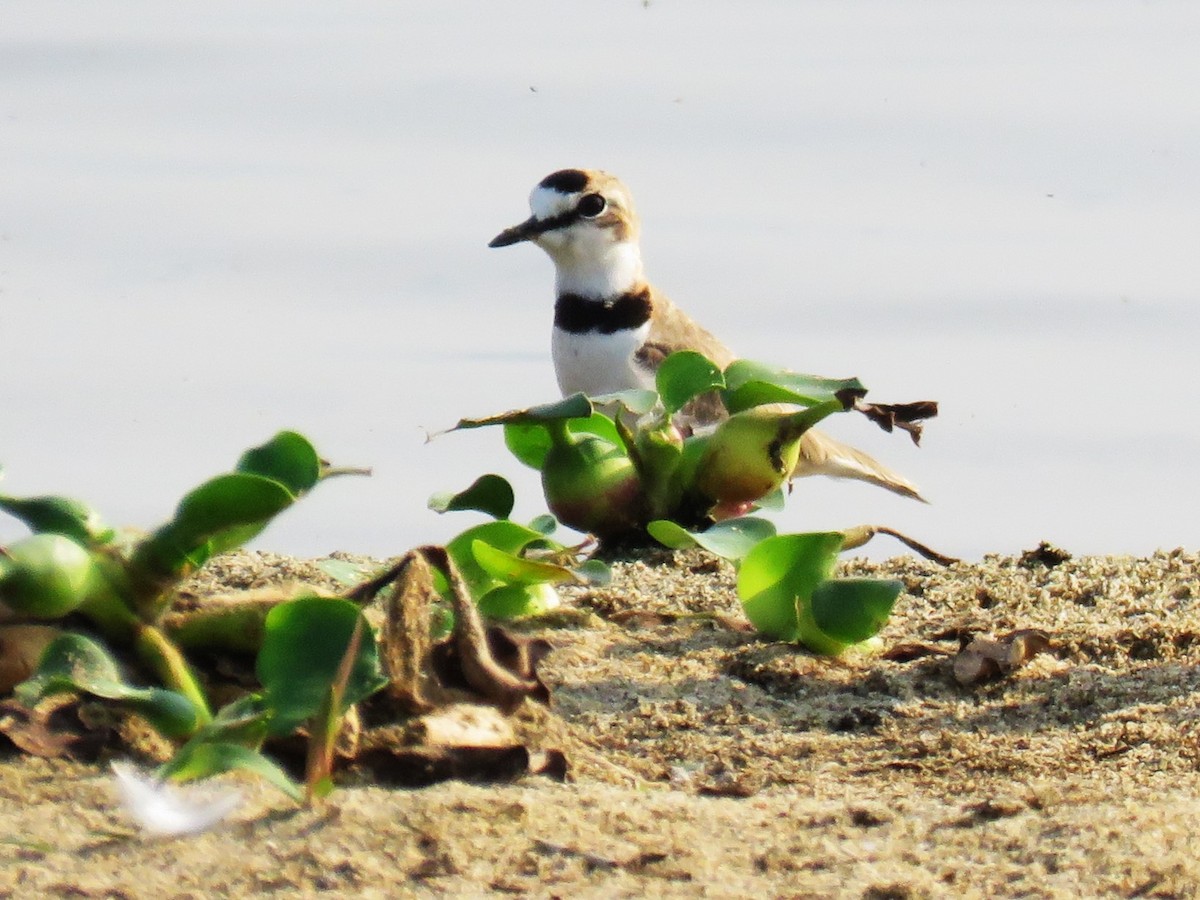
{"points": [[222, 219]]}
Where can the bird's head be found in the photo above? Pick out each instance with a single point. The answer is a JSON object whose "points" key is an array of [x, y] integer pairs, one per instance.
{"points": [[584, 219]]}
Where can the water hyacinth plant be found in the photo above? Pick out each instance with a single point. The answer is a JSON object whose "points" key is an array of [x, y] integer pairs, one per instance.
{"points": [[619, 467], [611, 465], [623, 467], [123, 583], [90, 612]]}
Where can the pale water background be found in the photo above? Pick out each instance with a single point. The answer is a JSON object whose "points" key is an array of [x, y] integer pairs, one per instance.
{"points": [[221, 219]]}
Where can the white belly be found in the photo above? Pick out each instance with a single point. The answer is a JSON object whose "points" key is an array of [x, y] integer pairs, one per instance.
{"points": [[599, 363]]}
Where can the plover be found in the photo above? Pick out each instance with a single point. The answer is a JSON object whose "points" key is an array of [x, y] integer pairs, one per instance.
{"points": [[612, 328]]}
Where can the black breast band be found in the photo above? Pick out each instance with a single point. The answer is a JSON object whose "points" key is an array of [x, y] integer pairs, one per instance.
{"points": [[583, 315]]}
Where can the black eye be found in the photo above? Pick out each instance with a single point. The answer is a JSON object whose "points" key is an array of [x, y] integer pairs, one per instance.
{"points": [[591, 206]]}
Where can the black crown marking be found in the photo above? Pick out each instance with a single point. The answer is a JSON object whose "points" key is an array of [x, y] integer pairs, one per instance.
{"points": [[565, 181]]}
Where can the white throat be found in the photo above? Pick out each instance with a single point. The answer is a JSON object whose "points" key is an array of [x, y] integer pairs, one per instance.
{"points": [[595, 269]]}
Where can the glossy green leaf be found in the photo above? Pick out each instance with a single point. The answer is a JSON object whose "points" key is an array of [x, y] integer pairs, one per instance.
{"points": [[67, 662], [530, 442], [47, 575], [228, 502], [288, 458], [751, 384], [851, 610], [59, 515], [685, 375], [780, 572], [512, 568], [219, 515], [503, 535], [203, 760], [74, 663], [730, 539], [304, 644], [490, 494], [517, 601]]}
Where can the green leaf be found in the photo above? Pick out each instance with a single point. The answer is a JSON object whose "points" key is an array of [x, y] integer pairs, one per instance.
{"points": [[244, 722], [544, 524], [510, 568], [68, 662], [577, 406], [47, 575], [773, 501], [203, 760], [530, 442], [517, 601], [288, 458], [685, 375], [751, 384], [851, 610], [637, 401], [74, 663], [227, 503], [730, 539], [781, 572], [489, 494], [219, 515], [59, 515], [502, 535], [304, 644]]}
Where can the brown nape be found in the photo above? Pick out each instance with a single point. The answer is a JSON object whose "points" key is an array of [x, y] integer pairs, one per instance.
{"points": [[623, 229]]}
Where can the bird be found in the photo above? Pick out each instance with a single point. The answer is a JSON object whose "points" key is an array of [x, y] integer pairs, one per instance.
{"points": [[612, 328]]}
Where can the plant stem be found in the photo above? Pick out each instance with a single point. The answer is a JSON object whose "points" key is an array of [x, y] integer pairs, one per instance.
{"points": [[156, 651]]}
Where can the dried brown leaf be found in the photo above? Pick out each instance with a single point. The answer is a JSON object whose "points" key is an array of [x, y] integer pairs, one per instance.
{"points": [[53, 728], [458, 737], [456, 697], [905, 416], [500, 667], [405, 645], [21, 647]]}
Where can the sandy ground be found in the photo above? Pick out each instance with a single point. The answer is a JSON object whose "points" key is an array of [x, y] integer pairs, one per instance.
{"points": [[705, 762]]}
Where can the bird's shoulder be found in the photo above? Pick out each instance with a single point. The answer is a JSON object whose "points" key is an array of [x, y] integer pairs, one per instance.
{"points": [[672, 329]]}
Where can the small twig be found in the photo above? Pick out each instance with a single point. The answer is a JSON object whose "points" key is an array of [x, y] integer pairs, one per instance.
{"points": [[366, 592], [860, 534], [925, 551], [335, 471]]}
